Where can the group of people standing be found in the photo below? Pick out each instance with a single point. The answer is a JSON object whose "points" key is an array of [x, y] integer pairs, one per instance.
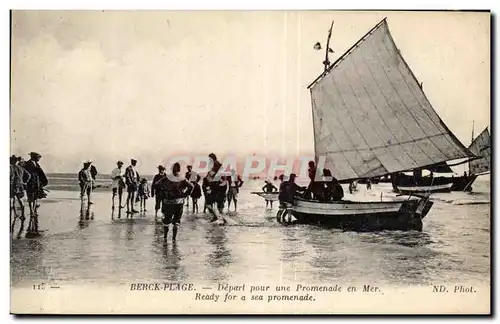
{"points": [[171, 191], [137, 188], [26, 177]]}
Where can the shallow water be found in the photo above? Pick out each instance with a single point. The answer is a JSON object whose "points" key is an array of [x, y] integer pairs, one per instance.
{"points": [[454, 246]]}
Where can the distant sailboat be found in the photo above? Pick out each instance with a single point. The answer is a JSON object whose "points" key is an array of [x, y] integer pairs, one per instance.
{"points": [[480, 146], [371, 118]]}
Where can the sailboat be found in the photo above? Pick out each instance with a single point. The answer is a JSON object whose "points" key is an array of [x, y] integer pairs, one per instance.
{"points": [[481, 147], [371, 118]]}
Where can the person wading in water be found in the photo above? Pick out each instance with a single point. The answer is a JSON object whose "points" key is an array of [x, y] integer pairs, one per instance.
{"points": [[196, 193], [18, 179], [132, 180], [205, 187], [214, 192], [235, 184], [34, 190], [222, 193], [175, 190], [190, 176], [155, 189], [269, 188], [289, 189], [85, 181], [118, 185]]}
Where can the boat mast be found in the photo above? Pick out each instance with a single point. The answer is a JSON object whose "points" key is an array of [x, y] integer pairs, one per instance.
{"points": [[471, 140], [326, 63]]}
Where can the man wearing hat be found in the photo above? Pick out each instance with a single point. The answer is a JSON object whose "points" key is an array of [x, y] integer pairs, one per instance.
{"points": [[156, 190], [85, 180], [132, 179], [118, 185], [34, 189]]}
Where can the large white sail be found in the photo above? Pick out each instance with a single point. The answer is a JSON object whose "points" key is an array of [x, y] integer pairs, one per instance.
{"points": [[371, 116], [481, 146]]}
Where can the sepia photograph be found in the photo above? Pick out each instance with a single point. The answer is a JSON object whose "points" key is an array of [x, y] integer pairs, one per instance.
{"points": [[250, 162]]}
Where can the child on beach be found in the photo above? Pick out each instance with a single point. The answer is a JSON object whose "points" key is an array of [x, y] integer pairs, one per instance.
{"points": [[143, 194], [196, 193]]}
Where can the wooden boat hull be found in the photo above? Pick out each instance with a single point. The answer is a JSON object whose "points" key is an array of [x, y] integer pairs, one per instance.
{"points": [[462, 183], [424, 189], [361, 216], [269, 196]]}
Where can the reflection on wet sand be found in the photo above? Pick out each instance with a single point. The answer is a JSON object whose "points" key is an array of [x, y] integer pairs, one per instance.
{"points": [[86, 214], [291, 246], [398, 249], [220, 257], [389, 257], [27, 260]]}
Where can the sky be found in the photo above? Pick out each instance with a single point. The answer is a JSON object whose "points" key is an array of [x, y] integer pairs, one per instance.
{"points": [[115, 85]]}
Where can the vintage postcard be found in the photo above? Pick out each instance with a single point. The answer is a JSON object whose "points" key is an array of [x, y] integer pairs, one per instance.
{"points": [[250, 162]]}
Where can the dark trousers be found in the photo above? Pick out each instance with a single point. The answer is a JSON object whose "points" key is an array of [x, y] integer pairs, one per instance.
{"points": [[172, 213], [158, 201]]}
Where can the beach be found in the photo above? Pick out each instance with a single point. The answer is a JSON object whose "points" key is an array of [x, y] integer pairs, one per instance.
{"points": [[453, 246]]}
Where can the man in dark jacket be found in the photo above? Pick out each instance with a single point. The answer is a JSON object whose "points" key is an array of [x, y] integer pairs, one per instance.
{"points": [[175, 190], [156, 191], [289, 189], [34, 189]]}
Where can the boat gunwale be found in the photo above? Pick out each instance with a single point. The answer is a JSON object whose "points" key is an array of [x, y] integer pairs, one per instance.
{"points": [[351, 202]]}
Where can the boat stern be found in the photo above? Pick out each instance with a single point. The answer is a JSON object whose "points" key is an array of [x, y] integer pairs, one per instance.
{"points": [[424, 206], [416, 210]]}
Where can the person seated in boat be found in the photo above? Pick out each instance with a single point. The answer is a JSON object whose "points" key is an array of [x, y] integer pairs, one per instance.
{"points": [[331, 189], [334, 189], [311, 172], [288, 190], [269, 188], [319, 189]]}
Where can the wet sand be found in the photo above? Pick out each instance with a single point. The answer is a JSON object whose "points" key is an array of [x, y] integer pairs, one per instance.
{"points": [[454, 245]]}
